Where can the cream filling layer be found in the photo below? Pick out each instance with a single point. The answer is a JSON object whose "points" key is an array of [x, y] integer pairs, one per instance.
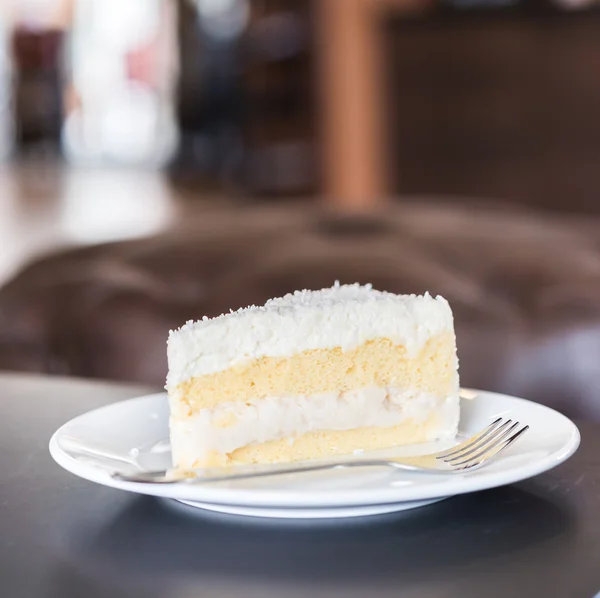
{"points": [[230, 426]]}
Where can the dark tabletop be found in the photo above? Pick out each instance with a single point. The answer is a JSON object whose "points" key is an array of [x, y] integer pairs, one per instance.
{"points": [[63, 537]]}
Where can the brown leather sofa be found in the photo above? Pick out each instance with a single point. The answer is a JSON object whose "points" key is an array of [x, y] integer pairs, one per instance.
{"points": [[524, 287]]}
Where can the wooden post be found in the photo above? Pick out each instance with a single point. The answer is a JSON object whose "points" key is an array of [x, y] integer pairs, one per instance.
{"points": [[351, 104]]}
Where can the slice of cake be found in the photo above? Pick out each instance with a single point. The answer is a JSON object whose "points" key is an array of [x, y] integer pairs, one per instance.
{"points": [[313, 374]]}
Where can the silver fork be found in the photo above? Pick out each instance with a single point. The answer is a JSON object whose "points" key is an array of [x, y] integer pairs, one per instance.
{"points": [[469, 455]]}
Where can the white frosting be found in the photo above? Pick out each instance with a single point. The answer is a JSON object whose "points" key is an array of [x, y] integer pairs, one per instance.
{"points": [[292, 416], [343, 316]]}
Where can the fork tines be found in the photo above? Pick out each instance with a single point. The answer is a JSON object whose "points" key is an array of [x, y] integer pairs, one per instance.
{"points": [[484, 445]]}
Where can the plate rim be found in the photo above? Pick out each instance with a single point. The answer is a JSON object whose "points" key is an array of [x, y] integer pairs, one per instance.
{"points": [[276, 498]]}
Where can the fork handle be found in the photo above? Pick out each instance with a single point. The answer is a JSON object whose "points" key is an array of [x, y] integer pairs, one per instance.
{"points": [[223, 474]]}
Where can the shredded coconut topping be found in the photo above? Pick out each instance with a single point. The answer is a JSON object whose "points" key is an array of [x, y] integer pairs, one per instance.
{"points": [[340, 316]]}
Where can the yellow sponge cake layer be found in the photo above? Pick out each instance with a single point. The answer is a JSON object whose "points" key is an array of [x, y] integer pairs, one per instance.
{"points": [[375, 363]]}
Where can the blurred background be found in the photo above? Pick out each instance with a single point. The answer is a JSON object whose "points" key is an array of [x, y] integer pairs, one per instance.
{"points": [[165, 159]]}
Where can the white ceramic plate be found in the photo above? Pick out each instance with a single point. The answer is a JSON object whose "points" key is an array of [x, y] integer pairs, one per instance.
{"points": [[133, 435]]}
